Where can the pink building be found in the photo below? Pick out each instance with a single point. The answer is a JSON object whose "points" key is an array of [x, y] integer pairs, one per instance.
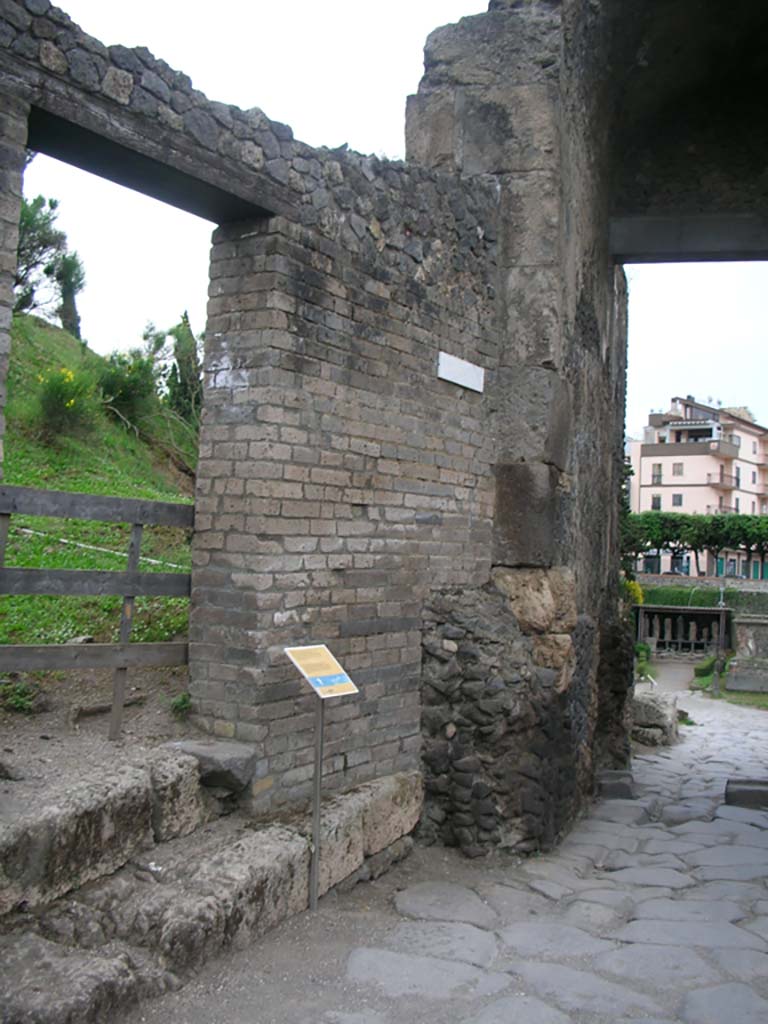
{"points": [[698, 459]]}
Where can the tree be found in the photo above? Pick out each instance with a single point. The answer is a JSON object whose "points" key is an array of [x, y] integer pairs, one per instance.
{"points": [[69, 275], [41, 243], [185, 384], [43, 256]]}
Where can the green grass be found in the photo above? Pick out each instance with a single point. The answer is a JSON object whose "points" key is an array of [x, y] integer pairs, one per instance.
{"points": [[111, 461], [703, 684]]}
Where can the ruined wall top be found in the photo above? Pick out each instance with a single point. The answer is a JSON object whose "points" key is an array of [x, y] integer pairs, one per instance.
{"points": [[385, 211]]}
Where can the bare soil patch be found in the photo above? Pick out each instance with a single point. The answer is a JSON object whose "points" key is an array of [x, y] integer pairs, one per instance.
{"points": [[49, 750]]}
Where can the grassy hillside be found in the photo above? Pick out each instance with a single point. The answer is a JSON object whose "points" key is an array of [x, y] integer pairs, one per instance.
{"points": [[108, 458]]}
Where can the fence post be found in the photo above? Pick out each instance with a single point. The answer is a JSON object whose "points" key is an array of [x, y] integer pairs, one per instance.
{"points": [[126, 622]]}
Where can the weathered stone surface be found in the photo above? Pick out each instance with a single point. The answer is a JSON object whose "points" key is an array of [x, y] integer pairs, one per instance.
{"points": [[177, 804], [444, 901], [652, 711], [551, 940], [666, 877], [582, 991], [86, 987], [397, 974], [657, 966], [222, 762], [744, 964], [542, 602], [446, 941], [91, 831], [716, 934], [518, 1007], [391, 809], [689, 910], [725, 1002]]}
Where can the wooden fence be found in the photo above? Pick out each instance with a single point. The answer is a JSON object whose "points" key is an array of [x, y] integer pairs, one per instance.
{"points": [[74, 582]]}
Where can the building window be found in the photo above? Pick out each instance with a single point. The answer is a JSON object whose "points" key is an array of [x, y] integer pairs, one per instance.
{"points": [[753, 508], [754, 447], [656, 473], [736, 505], [677, 500], [677, 469], [655, 502], [738, 476], [754, 476]]}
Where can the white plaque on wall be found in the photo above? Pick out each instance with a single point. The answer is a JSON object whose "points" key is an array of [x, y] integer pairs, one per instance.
{"points": [[459, 371]]}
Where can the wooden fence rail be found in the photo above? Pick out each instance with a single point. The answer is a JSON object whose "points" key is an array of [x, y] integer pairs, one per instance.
{"points": [[73, 582]]}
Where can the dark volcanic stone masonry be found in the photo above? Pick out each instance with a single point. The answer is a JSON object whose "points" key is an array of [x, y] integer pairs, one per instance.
{"points": [[456, 549]]}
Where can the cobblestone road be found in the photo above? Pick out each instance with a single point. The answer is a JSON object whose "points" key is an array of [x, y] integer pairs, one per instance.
{"points": [[654, 910]]}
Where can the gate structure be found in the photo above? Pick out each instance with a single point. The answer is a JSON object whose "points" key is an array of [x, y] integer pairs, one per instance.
{"points": [[451, 535]]}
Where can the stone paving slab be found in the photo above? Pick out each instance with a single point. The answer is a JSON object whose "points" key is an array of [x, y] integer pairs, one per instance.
{"points": [[658, 967], [551, 940], [582, 991], [556, 939], [522, 1008], [734, 1002], [400, 974], [444, 901]]}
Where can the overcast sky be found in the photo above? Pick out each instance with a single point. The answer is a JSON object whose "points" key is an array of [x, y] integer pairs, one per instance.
{"points": [[339, 71]]}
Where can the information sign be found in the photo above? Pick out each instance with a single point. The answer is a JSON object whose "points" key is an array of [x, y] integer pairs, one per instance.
{"points": [[321, 670]]}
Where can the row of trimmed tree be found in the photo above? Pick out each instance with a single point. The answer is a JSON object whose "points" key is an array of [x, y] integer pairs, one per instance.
{"points": [[646, 532]]}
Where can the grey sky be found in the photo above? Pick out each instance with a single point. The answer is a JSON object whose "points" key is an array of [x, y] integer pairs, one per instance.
{"points": [[339, 71]]}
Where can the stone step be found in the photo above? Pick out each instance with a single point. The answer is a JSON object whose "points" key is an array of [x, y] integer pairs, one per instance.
{"points": [[144, 929], [77, 832]]}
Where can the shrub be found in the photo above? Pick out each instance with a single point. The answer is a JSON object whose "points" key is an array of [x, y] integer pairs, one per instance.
{"points": [[632, 592], [66, 403], [18, 697], [643, 652], [127, 383], [181, 705], [706, 666]]}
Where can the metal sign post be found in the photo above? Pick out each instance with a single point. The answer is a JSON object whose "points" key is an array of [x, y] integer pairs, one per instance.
{"points": [[328, 679], [314, 865]]}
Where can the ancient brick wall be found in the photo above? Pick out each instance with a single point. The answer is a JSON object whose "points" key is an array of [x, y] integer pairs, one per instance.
{"points": [[347, 495], [339, 479], [13, 137]]}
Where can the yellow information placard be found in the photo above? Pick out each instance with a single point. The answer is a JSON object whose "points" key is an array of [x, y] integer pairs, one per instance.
{"points": [[321, 670]]}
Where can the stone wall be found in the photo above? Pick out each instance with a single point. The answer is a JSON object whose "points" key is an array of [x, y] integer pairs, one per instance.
{"points": [[347, 495], [517, 95], [13, 133], [339, 479]]}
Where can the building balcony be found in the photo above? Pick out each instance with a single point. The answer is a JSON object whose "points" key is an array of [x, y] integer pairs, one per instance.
{"points": [[725, 449], [707, 446], [723, 481], [720, 510]]}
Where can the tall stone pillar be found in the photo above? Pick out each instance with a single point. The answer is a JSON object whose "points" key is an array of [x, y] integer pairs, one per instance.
{"points": [[509, 96], [14, 114]]}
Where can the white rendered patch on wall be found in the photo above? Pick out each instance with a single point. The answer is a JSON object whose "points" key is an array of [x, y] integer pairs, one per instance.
{"points": [[461, 372]]}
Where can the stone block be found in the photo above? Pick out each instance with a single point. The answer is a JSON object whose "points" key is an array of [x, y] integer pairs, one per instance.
{"points": [[503, 130], [226, 764], [341, 839], [392, 810], [532, 302], [535, 421], [177, 803], [654, 718], [430, 128], [90, 831], [542, 601], [526, 514]]}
